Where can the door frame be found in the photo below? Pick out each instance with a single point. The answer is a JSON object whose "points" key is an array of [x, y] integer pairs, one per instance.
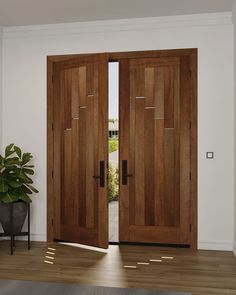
{"points": [[117, 56]]}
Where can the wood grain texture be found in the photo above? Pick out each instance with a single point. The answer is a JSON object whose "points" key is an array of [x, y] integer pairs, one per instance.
{"points": [[75, 170], [124, 136], [66, 94], [149, 167], [185, 145], [169, 97], [89, 136], [80, 141], [82, 145], [57, 149], [169, 177], [139, 160], [159, 197], [117, 56], [194, 147], [159, 168], [129, 102], [75, 92], [197, 272], [159, 93], [50, 135], [67, 199], [103, 148]]}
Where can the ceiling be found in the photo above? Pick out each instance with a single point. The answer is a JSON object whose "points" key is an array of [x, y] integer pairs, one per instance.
{"points": [[34, 12]]}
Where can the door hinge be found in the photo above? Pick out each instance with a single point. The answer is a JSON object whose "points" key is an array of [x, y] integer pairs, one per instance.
{"points": [[190, 175], [52, 126], [190, 125], [52, 174], [190, 227]]}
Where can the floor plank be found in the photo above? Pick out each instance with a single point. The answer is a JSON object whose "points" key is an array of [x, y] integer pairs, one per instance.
{"points": [[198, 272]]}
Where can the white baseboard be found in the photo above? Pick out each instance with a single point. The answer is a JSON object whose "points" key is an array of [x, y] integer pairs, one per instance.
{"points": [[234, 248], [215, 245], [33, 238], [36, 238]]}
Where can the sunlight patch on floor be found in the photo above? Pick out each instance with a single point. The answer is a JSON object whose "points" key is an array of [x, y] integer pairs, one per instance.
{"points": [[85, 247]]}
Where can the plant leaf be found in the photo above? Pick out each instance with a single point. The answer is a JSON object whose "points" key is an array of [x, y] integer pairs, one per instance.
{"points": [[32, 188], [11, 161], [26, 189], [9, 151], [8, 198], [3, 186], [24, 197], [28, 171], [18, 151], [26, 158], [14, 184]]}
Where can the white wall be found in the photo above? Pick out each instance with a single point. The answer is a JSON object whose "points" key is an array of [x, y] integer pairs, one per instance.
{"points": [[24, 99], [234, 21]]}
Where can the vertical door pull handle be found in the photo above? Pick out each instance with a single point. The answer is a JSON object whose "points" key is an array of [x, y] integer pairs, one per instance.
{"points": [[101, 177], [125, 173]]}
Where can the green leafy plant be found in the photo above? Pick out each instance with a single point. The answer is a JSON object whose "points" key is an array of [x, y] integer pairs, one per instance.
{"points": [[15, 175], [113, 184], [113, 145]]}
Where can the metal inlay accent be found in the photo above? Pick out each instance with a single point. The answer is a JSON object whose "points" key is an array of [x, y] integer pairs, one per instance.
{"points": [[167, 257], [143, 263], [150, 108], [90, 95], [82, 107], [49, 257], [48, 262], [155, 260], [50, 253], [68, 129], [52, 249], [138, 97], [130, 266]]}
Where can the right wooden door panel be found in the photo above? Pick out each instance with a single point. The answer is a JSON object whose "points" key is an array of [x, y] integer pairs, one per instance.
{"points": [[155, 144]]}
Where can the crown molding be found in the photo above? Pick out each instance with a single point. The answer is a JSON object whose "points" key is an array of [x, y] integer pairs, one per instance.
{"points": [[138, 24]]}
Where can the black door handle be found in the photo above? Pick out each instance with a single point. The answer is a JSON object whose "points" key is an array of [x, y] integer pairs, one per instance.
{"points": [[125, 174], [101, 177]]}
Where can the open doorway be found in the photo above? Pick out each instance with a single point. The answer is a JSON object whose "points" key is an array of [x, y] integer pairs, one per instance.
{"points": [[113, 147]]}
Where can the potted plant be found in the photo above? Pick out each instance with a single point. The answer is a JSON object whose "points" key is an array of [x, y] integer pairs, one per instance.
{"points": [[15, 187]]}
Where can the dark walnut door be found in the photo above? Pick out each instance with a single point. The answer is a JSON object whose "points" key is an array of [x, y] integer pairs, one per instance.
{"points": [[80, 150], [155, 150]]}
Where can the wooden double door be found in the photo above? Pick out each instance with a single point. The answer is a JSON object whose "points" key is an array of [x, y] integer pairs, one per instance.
{"points": [[157, 154]]}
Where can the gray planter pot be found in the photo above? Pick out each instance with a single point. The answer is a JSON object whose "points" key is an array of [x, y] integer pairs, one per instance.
{"points": [[19, 215]]}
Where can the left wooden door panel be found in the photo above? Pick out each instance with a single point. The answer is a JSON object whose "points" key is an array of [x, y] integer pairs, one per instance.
{"points": [[80, 148]]}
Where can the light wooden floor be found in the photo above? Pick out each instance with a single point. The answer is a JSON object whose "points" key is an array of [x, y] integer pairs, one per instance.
{"points": [[199, 272]]}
